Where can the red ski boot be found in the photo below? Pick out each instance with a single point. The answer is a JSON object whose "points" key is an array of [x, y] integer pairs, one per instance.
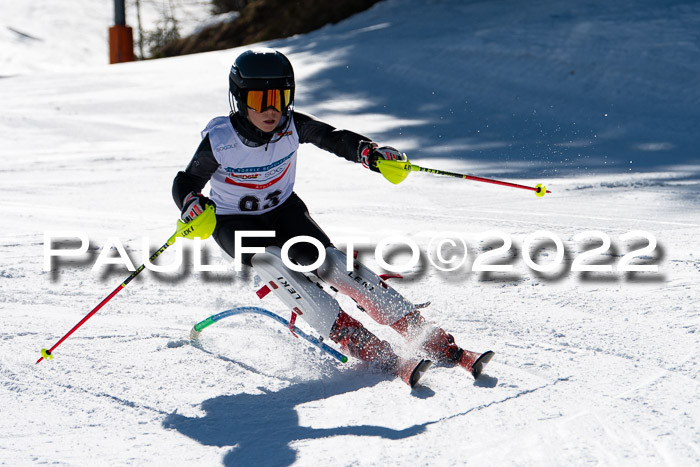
{"points": [[360, 343], [410, 371], [474, 362], [440, 345]]}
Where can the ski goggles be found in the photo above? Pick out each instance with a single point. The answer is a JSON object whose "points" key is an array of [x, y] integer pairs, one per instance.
{"points": [[260, 101]]}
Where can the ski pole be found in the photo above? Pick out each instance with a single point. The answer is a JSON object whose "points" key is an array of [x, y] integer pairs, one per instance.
{"points": [[201, 226], [397, 171]]}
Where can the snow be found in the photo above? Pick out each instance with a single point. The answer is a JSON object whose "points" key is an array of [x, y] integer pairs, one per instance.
{"points": [[598, 100]]}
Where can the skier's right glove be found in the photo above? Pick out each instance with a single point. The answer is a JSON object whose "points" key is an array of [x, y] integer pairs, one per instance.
{"points": [[370, 152], [193, 205]]}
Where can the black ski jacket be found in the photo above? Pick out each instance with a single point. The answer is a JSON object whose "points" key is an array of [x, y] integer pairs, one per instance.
{"points": [[342, 143]]}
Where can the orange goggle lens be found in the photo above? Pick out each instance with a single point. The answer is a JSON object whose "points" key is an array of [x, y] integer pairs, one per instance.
{"points": [[263, 100]]}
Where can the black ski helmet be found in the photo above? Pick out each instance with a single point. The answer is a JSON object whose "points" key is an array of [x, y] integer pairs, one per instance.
{"points": [[259, 69]]}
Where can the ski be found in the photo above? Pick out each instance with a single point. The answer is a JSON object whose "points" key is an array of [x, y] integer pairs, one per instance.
{"points": [[410, 372], [481, 361], [418, 371]]}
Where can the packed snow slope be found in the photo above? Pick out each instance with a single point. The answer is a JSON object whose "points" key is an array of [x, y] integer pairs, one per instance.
{"points": [[598, 100]]}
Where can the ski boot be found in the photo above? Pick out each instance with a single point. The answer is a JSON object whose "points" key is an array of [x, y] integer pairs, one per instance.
{"points": [[360, 343], [440, 345]]}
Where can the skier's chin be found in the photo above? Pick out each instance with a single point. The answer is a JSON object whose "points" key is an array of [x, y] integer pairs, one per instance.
{"points": [[268, 126]]}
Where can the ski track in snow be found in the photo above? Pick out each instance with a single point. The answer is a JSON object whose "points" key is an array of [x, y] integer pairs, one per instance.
{"points": [[590, 368]]}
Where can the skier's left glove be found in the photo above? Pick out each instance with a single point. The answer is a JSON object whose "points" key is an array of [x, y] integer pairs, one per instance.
{"points": [[369, 152], [193, 205]]}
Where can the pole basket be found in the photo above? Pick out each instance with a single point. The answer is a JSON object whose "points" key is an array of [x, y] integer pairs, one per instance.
{"points": [[121, 44]]}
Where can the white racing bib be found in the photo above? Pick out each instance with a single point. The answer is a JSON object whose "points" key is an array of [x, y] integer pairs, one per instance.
{"points": [[250, 180]]}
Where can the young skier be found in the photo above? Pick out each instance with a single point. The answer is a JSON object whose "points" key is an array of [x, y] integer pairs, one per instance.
{"points": [[249, 160]]}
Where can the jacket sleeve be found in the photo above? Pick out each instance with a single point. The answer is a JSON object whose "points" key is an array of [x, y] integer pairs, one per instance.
{"points": [[342, 143], [197, 173]]}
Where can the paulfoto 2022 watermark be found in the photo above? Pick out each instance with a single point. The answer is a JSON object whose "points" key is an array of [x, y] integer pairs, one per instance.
{"points": [[494, 251]]}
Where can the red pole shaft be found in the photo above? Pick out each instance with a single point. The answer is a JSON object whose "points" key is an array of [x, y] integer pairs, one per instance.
{"points": [[498, 182], [478, 179], [87, 317], [109, 297]]}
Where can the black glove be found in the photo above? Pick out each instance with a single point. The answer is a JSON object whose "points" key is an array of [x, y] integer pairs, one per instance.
{"points": [[369, 153], [193, 205]]}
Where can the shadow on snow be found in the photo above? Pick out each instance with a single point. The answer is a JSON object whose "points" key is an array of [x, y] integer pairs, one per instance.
{"points": [[262, 426]]}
